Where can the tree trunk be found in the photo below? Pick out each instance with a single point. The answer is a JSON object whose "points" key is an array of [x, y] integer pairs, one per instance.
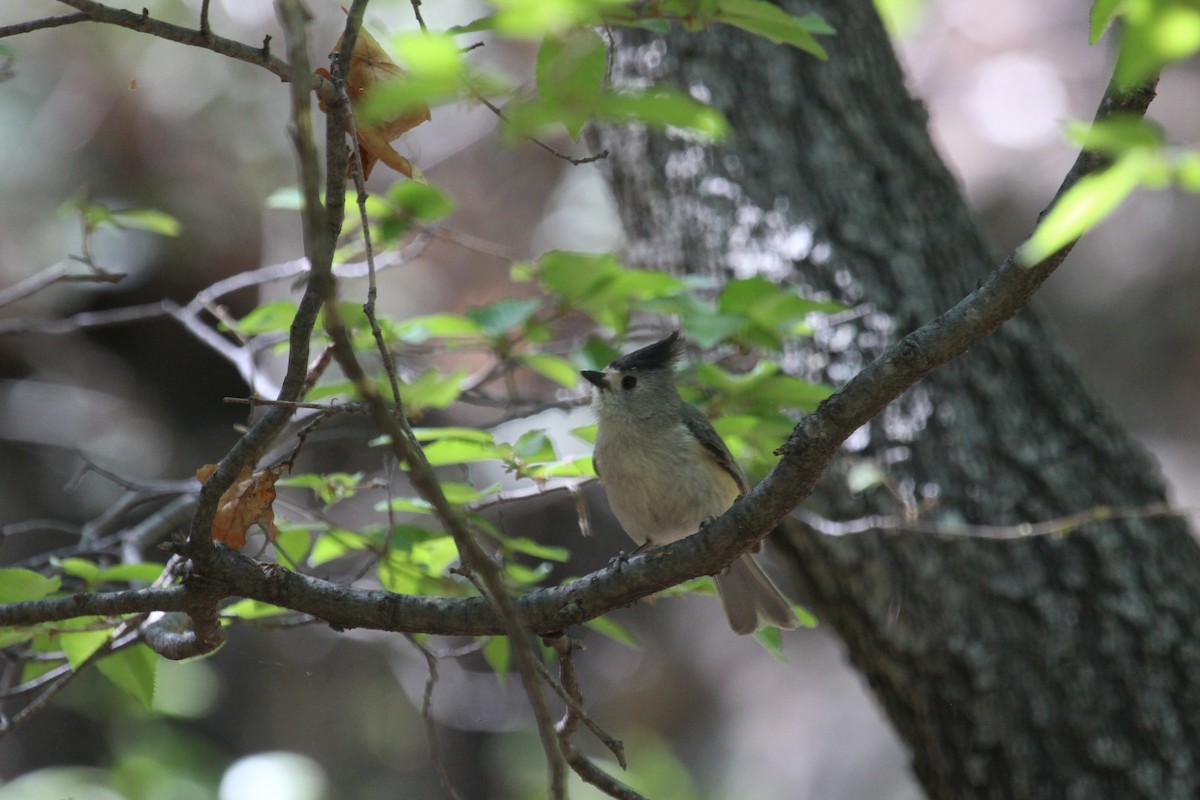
{"points": [[1050, 666]]}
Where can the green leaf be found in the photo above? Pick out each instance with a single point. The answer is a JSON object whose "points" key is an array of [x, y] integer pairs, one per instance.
{"points": [[429, 55], [432, 389], [763, 388], [435, 555], [81, 645], [452, 432], [661, 107], [771, 641], [448, 326], [570, 72], [557, 369], [334, 544], [585, 432], [25, 584], [273, 317], [329, 488], [774, 24], [1116, 134], [131, 573], [522, 544], [498, 654], [574, 467], [87, 571], [1156, 33], [147, 219], [501, 317], [605, 626], [133, 669], [534, 445], [252, 609], [1187, 171], [600, 286], [461, 451], [1086, 203], [419, 201], [535, 18], [527, 576], [1100, 17]]}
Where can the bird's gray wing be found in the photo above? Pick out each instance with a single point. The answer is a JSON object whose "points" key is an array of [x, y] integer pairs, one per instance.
{"points": [[699, 426]]}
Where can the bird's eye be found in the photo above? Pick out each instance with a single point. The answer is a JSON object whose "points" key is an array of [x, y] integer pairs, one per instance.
{"points": [[628, 382]]}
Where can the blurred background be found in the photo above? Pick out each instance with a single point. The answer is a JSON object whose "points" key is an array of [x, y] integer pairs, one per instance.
{"points": [[89, 111]]}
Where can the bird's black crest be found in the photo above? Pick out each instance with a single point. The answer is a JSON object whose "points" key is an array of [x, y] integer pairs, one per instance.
{"points": [[660, 355]]}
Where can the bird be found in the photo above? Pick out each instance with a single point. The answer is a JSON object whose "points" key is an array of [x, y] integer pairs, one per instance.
{"points": [[667, 473]]}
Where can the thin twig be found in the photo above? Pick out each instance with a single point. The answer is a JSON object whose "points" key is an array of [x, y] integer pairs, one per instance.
{"points": [[435, 753], [416, 7], [577, 161], [41, 24], [571, 694], [144, 23], [564, 648]]}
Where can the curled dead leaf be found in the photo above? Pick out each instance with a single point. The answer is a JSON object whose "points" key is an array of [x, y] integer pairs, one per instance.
{"points": [[370, 66], [246, 502]]}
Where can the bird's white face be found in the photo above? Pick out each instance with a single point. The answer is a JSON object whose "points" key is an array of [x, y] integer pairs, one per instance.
{"points": [[632, 396]]}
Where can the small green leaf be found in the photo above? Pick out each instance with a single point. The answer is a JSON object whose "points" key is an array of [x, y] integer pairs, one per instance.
{"points": [[133, 669], [273, 317], [87, 571], [522, 544], [662, 107], [574, 467], [1085, 204], [501, 317], [527, 576], [460, 451], [1116, 134], [447, 326], [429, 55], [585, 432], [570, 73], [329, 488], [252, 609], [419, 201], [605, 626], [81, 645], [498, 655], [435, 555], [131, 573], [432, 389], [451, 432], [1187, 171], [557, 369], [534, 445], [771, 641], [774, 24], [25, 584], [147, 219], [1100, 17], [336, 543]]}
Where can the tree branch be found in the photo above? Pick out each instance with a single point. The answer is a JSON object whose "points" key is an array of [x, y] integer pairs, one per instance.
{"points": [[41, 24], [193, 37]]}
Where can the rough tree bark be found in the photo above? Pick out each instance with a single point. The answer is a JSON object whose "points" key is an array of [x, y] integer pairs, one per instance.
{"points": [[1042, 667]]}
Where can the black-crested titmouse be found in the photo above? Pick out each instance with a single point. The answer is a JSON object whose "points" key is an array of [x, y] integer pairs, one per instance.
{"points": [[667, 472]]}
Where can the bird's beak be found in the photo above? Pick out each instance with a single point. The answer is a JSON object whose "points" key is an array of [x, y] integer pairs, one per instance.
{"points": [[596, 379]]}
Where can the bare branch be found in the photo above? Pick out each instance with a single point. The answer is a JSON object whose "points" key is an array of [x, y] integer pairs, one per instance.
{"points": [[41, 24], [202, 38]]}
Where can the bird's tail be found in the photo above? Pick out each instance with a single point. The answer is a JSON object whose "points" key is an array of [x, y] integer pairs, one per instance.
{"points": [[751, 599]]}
